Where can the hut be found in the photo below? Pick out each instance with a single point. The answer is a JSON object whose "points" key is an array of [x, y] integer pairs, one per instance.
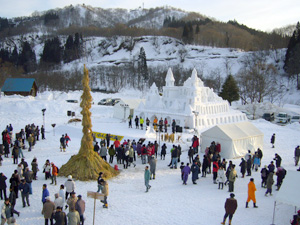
{"points": [[20, 86]]}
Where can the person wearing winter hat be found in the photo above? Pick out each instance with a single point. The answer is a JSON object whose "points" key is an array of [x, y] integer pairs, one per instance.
{"points": [[230, 208], [70, 186], [71, 200]]}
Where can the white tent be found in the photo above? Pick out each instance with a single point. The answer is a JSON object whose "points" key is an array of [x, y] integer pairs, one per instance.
{"points": [[235, 139], [289, 191], [126, 107]]}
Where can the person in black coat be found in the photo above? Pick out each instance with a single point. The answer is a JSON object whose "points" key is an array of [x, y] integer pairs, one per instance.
{"points": [[59, 216], [264, 176], [43, 132], [96, 147], [173, 126], [278, 160], [191, 154], [3, 186], [108, 140], [243, 167], [273, 141], [204, 166], [136, 120], [163, 151]]}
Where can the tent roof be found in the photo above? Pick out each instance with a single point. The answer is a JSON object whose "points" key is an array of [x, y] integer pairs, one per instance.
{"points": [[289, 191], [18, 84], [132, 103], [233, 131]]}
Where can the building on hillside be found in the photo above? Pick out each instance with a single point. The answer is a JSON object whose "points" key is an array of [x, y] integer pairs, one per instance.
{"points": [[20, 86], [192, 105], [126, 107]]}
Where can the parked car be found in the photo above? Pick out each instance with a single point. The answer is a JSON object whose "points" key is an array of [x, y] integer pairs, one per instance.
{"points": [[268, 116], [72, 101], [105, 101], [295, 119], [282, 117], [248, 115]]}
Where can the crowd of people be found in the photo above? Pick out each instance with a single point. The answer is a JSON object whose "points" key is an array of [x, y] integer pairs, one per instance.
{"points": [[125, 153], [160, 125], [20, 182]]}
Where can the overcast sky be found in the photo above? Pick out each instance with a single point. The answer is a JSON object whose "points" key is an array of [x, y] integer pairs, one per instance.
{"points": [[259, 14]]}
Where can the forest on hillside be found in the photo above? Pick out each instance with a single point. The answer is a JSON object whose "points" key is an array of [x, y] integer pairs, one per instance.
{"points": [[256, 79]]}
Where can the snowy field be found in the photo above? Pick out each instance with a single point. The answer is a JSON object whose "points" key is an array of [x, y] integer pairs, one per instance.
{"points": [[168, 201]]}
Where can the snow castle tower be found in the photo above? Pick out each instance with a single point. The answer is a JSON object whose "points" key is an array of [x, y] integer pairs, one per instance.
{"points": [[191, 105]]}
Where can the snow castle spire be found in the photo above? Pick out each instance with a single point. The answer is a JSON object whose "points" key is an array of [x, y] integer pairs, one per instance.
{"points": [[195, 79], [170, 78]]}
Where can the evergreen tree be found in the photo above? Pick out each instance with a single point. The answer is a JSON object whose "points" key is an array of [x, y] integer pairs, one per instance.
{"points": [[73, 48], [87, 164], [292, 57], [27, 58], [142, 67], [68, 51], [185, 33], [14, 56], [52, 51], [230, 90]]}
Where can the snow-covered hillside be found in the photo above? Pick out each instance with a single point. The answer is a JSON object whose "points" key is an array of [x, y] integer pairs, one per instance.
{"points": [[85, 15], [168, 201]]}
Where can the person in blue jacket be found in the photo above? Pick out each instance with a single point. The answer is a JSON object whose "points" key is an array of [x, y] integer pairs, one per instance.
{"points": [[45, 193]]}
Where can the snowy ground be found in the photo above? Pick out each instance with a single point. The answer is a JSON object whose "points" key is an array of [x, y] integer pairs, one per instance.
{"points": [[168, 201]]}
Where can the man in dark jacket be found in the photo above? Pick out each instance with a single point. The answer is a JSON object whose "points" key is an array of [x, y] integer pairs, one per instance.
{"points": [[277, 160], [174, 155], [3, 186], [230, 207], [59, 216], [24, 188], [136, 120], [195, 171], [273, 141]]}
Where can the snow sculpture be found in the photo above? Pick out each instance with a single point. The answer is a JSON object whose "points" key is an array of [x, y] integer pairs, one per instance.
{"points": [[191, 105]]}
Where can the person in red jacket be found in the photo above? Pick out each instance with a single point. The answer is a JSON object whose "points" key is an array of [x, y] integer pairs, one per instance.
{"points": [[215, 171], [116, 143], [6, 142], [150, 151], [67, 138], [195, 144]]}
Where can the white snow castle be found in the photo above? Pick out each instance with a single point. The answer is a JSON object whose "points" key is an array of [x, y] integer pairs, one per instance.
{"points": [[191, 105]]}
